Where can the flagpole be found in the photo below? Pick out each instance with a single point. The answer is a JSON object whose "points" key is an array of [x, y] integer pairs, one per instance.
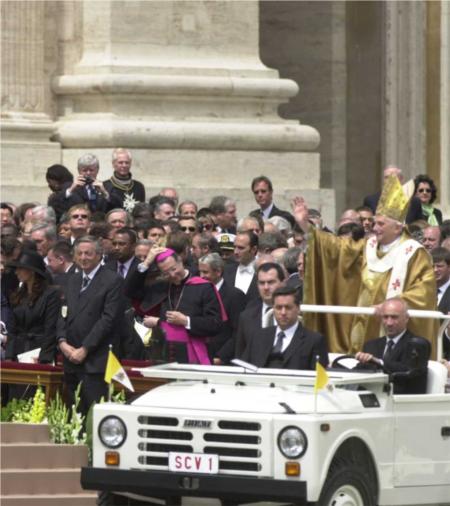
{"points": [[110, 386], [315, 388]]}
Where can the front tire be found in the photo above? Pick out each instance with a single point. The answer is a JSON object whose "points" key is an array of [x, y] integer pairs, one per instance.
{"points": [[346, 485]]}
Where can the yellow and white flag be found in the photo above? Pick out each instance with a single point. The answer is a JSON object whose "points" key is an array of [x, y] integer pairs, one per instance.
{"points": [[115, 371], [321, 377]]}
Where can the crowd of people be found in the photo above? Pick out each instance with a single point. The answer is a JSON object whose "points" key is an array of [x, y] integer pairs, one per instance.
{"points": [[102, 264]]}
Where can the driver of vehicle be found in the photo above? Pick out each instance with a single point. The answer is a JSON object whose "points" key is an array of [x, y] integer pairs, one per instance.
{"points": [[399, 353]]}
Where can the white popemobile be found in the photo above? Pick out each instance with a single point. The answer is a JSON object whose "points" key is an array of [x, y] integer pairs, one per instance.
{"points": [[245, 435]]}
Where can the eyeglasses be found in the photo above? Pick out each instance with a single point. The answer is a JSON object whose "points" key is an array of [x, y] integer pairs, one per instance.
{"points": [[207, 226], [185, 229], [424, 190], [82, 216]]}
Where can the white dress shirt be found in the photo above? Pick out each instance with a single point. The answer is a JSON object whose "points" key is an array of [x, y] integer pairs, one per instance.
{"points": [[289, 333], [266, 212], [244, 276], [442, 290]]}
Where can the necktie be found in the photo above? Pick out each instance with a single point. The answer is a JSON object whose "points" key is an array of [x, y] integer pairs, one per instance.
{"points": [[92, 196], [85, 283], [279, 343], [122, 270], [389, 349]]}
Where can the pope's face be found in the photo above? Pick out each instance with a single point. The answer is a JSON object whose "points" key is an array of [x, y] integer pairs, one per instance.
{"points": [[386, 230]]}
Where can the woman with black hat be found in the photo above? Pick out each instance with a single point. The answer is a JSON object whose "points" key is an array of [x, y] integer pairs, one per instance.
{"points": [[36, 307]]}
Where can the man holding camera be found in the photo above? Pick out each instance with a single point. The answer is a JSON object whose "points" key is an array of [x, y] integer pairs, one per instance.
{"points": [[86, 189]]}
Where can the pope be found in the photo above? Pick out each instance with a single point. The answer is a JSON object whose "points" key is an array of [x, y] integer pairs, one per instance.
{"points": [[389, 263]]}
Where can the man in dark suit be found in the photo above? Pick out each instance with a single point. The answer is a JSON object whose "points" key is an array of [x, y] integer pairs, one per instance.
{"points": [[94, 306], [270, 277], [221, 346], [86, 189], [185, 307], [415, 207], [399, 351], [263, 191], [121, 185], [122, 259], [287, 345], [242, 274], [441, 267], [124, 263]]}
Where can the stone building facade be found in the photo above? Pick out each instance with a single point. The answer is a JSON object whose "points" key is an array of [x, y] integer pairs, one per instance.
{"points": [[316, 95]]}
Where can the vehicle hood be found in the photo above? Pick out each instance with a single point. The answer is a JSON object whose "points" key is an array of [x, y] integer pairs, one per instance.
{"points": [[196, 395]]}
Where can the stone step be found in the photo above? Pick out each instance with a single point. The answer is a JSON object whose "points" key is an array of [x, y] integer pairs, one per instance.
{"points": [[42, 455], [24, 433], [85, 499], [40, 481]]}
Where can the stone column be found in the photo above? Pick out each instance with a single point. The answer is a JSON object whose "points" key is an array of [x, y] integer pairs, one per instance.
{"points": [[181, 84], [445, 110], [26, 127], [405, 78]]}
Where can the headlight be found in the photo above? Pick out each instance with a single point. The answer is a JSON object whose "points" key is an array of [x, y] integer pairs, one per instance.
{"points": [[292, 442], [112, 432]]}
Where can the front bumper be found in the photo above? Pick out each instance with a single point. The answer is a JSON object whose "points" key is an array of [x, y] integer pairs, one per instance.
{"points": [[166, 484]]}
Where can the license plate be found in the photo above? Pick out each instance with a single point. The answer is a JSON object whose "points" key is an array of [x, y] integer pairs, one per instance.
{"points": [[193, 463]]}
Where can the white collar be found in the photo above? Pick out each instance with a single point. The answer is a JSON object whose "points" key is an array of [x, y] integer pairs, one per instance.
{"points": [[93, 272], [289, 332], [384, 248], [219, 284], [396, 339], [266, 212], [250, 268], [126, 264], [444, 287]]}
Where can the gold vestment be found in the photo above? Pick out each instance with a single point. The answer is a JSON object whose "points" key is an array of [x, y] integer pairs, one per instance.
{"points": [[336, 273]]}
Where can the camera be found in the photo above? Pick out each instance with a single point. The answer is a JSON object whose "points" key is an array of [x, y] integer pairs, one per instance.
{"points": [[88, 179]]}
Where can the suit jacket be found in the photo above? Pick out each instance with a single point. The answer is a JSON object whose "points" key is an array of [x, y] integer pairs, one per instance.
{"points": [[414, 210], [444, 307], [80, 196], [300, 354], [229, 275], [92, 318], [406, 355], [222, 345], [130, 344], [35, 326], [137, 192], [112, 265], [276, 212], [249, 324]]}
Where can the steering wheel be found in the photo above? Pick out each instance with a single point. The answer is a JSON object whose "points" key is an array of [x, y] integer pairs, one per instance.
{"points": [[336, 364]]}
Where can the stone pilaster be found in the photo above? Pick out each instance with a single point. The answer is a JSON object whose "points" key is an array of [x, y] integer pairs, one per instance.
{"points": [[405, 79], [445, 110], [26, 127], [181, 84]]}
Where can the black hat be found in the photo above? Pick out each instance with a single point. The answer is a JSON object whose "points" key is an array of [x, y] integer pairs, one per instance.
{"points": [[30, 260]]}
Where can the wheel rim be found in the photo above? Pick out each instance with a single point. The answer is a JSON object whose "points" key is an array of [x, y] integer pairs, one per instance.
{"points": [[347, 495]]}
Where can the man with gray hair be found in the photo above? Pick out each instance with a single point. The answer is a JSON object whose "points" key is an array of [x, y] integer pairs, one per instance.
{"points": [[87, 189], [221, 346], [94, 307], [121, 184], [44, 236], [41, 214]]}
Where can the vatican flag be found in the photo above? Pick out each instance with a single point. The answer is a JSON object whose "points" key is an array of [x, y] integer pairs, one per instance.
{"points": [[321, 377], [115, 371]]}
